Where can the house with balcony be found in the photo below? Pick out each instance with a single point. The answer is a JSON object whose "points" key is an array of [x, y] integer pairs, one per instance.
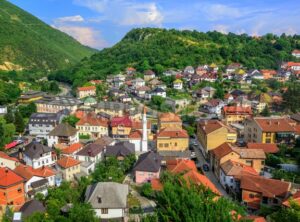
{"points": [[63, 134]]}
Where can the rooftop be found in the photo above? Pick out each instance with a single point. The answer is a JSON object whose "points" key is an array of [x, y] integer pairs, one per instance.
{"points": [[9, 178], [67, 162], [148, 162], [63, 130]]}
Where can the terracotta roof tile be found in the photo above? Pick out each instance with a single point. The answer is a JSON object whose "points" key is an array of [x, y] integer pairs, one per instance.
{"points": [[266, 147], [209, 126], [135, 134], [72, 148], [237, 110], [86, 88], [172, 133], [5, 156], [28, 172], [67, 162], [91, 119], [124, 120], [169, 117], [180, 165], [222, 150], [236, 169], [274, 124], [9, 177], [295, 198], [156, 184], [268, 187]]}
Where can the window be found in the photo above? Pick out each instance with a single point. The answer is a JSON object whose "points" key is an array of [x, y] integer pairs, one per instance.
{"points": [[268, 134], [268, 140], [20, 190], [166, 145], [251, 195], [275, 201], [175, 144], [104, 211], [249, 162], [262, 162]]}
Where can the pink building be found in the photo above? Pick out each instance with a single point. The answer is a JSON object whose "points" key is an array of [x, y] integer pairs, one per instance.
{"points": [[147, 167]]}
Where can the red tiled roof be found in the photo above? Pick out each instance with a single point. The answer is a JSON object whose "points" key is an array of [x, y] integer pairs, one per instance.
{"points": [[295, 198], [92, 120], [67, 162], [267, 147], [173, 133], [169, 117], [180, 165], [236, 169], [254, 218], [222, 150], [268, 187], [289, 64], [237, 110], [86, 88], [139, 125], [156, 184], [5, 156], [9, 177], [274, 124], [96, 81], [209, 126], [197, 178], [135, 134], [72, 148], [130, 69], [79, 114], [28, 172], [125, 121], [296, 51]]}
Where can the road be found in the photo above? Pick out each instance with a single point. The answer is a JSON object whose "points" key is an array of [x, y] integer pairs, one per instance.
{"points": [[210, 175], [65, 89]]}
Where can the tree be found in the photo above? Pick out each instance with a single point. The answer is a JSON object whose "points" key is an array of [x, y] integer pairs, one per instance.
{"points": [[146, 190], [82, 212], [9, 116], [2, 135], [291, 213], [219, 94], [27, 110], [266, 111], [71, 119], [19, 122]]}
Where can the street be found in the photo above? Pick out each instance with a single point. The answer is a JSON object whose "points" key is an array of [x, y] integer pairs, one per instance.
{"points": [[210, 175]]}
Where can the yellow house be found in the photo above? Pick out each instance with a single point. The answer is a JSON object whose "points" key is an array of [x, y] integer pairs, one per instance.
{"points": [[213, 133], [169, 120], [254, 158], [236, 114], [172, 139], [69, 167], [269, 130]]}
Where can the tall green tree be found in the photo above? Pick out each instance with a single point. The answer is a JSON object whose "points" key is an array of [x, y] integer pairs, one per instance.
{"points": [[19, 122]]}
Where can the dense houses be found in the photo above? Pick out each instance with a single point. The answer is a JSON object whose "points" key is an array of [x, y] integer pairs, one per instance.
{"points": [[225, 148]]}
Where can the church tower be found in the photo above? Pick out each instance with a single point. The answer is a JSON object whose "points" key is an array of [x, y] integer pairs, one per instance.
{"points": [[144, 147]]}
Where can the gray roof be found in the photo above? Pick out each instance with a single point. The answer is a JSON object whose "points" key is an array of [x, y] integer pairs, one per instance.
{"points": [[63, 129], [148, 162], [104, 141], [114, 106], [46, 118], [31, 207], [107, 195], [34, 150], [91, 150], [60, 100], [120, 149], [296, 117], [39, 183]]}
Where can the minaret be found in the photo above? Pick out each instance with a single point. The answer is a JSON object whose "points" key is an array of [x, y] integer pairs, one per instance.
{"points": [[144, 144]]}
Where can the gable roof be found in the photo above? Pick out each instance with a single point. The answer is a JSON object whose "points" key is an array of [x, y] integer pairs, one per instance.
{"points": [[169, 117], [180, 165], [31, 207], [91, 150], [92, 120], [148, 162], [34, 150], [107, 195], [233, 168], [5, 156], [124, 120], [63, 129], [268, 187], [266, 147], [250, 153], [120, 149], [273, 124], [104, 141], [222, 150], [9, 178], [172, 133], [86, 88], [72, 148], [238, 110], [67, 162], [197, 178], [28, 172], [209, 126]]}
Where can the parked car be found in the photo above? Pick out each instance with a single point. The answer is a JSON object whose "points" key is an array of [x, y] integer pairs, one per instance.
{"points": [[205, 167], [193, 155]]}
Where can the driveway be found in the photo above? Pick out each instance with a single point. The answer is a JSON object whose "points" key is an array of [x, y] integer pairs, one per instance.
{"points": [[210, 175]]}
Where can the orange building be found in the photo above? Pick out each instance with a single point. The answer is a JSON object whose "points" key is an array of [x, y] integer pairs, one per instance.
{"points": [[11, 188], [169, 120], [268, 73]]}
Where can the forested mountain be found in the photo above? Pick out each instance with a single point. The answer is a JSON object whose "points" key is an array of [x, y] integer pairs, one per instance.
{"points": [[26, 42], [160, 49]]}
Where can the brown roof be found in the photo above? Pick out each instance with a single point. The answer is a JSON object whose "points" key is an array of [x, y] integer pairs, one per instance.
{"points": [[28, 172], [266, 147], [9, 177], [233, 168], [92, 120], [250, 153], [104, 140], [67, 162], [173, 133], [295, 198], [72, 148], [86, 88], [169, 117], [209, 126], [238, 110], [5, 156], [180, 165], [63, 129], [222, 150], [268, 187], [274, 124]]}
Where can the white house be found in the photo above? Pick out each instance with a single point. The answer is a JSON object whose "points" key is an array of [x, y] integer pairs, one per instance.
{"points": [[138, 82], [189, 69], [296, 53], [63, 134], [108, 199], [3, 110], [37, 155], [157, 92], [214, 106], [178, 84], [7, 161]]}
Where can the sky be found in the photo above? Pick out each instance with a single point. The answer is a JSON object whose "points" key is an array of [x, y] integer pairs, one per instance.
{"points": [[102, 23]]}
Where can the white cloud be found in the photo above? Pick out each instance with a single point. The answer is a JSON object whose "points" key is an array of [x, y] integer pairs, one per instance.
{"points": [[221, 28], [124, 12], [85, 35], [75, 18], [215, 12]]}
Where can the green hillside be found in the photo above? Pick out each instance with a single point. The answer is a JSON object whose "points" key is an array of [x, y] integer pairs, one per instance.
{"points": [[161, 49], [28, 43]]}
